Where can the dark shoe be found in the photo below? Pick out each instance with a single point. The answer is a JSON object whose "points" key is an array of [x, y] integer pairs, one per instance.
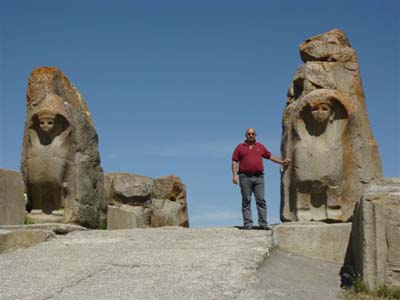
{"points": [[248, 227], [265, 227]]}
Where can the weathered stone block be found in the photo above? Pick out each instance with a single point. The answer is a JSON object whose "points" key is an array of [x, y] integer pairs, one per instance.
{"points": [[326, 134], [374, 249], [127, 217], [169, 187], [129, 188], [163, 198], [317, 240], [168, 213], [12, 202]]}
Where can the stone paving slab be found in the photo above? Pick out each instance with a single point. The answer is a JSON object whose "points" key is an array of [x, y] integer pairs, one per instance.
{"points": [[285, 276], [317, 240], [145, 264]]}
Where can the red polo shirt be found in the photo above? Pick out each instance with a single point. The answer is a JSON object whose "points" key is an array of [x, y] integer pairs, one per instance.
{"points": [[250, 160]]}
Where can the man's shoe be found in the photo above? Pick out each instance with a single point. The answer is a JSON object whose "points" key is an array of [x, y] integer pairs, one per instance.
{"points": [[265, 227], [248, 227]]}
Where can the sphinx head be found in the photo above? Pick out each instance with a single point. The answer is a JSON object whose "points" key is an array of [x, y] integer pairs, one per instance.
{"points": [[46, 120], [321, 111]]}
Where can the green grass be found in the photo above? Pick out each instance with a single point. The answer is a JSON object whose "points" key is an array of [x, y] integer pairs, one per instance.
{"points": [[103, 224], [361, 292], [389, 293], [28, 221], [359, 286]]}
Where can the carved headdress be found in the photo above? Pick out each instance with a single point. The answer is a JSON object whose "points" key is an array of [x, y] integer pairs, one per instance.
{"points": [[51, 106]]}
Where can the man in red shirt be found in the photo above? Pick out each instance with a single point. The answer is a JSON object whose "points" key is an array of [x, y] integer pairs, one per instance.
{"points": [[250, 156]]}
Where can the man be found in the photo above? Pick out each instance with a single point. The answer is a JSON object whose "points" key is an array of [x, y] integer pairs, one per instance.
{"points": [[250, 156]]}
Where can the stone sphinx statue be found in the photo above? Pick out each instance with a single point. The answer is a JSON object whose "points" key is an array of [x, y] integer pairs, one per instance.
{"points": [[318, 130], [48, 151], [326, 134], [60, 161]]}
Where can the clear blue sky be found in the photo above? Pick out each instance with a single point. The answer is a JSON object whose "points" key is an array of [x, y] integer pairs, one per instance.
{"points": [[172, 85]]}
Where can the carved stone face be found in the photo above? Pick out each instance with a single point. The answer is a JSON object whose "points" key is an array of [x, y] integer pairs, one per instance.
{"points": [[321, 112], [46, 124]]}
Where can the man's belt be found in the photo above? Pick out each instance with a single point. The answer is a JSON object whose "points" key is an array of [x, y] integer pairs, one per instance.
{"points": [[252, 174]]}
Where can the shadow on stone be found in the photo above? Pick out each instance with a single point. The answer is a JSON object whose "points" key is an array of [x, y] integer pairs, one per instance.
{"points": [[252, 228]]}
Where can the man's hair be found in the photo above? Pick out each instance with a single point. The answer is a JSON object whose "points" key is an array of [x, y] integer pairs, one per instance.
{"points": [[247, 130]]}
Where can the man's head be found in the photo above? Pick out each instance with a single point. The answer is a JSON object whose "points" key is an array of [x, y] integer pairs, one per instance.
{"points": [[250, 135]]}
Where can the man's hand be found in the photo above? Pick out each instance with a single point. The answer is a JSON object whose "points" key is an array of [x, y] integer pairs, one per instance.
{"points": [[235, 177], [285, 164]]}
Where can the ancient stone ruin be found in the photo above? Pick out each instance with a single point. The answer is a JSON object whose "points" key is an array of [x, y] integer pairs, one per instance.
{"points": [[326, 134], [12, 202], [60, 161], [138, 201], [374, 249]]}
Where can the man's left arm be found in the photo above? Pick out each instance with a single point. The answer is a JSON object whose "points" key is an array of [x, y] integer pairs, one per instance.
{"points": [[284, 162], [268, 155]]}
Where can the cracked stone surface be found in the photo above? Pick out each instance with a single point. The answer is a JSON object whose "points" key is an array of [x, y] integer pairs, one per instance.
{"points": [[168, 263]]}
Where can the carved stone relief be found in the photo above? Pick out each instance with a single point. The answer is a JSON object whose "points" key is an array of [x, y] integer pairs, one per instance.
{"points": [[326, 134]]}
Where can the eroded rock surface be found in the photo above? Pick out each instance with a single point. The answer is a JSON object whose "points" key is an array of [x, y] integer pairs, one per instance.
{"points": [[11, 240], [163, 263], [326, 134], [374, 248], [60, 160], [55, 227]]}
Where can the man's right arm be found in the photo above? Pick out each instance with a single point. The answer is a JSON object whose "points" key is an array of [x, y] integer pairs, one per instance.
{"points": [[235, 177]]}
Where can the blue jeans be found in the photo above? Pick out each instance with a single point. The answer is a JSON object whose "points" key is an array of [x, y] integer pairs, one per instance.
{"points": [[253, 184]]}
